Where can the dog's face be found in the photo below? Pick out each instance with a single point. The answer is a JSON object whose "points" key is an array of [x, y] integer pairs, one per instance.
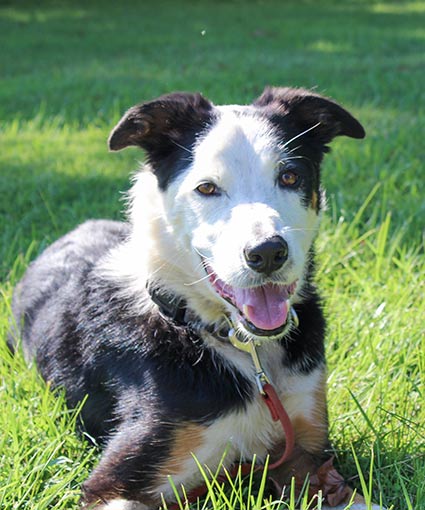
{"points": [[240, 197], [245, 210]]}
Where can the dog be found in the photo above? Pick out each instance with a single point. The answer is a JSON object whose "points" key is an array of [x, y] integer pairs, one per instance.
{"points": [[136, 317]]}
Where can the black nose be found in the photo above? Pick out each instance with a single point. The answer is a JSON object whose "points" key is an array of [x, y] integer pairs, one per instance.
{"points": [[268, 256]]}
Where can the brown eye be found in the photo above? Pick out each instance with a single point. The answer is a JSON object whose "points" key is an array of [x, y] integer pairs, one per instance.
{"points": [[207, 188], [288, 178]]}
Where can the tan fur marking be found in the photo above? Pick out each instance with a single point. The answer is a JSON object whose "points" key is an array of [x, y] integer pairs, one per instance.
{"points": [[311, 435], [187, 439], [314, 200]]}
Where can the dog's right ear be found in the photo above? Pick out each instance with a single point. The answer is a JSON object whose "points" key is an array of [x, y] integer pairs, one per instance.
{"points": [[162, 124], [320, 117]]}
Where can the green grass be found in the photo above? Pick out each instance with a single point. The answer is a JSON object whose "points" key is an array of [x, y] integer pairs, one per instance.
{"points": [[69, 69]]}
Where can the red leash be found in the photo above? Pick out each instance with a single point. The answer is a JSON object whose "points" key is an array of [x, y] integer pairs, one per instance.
{"points": [[278, 413], [327, 480]]}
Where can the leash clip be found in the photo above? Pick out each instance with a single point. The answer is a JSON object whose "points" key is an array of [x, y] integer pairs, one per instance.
{"points": [[269, 395], [250, 347]]}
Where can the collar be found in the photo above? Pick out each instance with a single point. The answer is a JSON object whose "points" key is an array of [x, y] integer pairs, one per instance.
{"points": [[175, 308]]}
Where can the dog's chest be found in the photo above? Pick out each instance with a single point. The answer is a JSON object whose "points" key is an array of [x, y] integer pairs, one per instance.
{"points": [[242, 434], [252, 430]]}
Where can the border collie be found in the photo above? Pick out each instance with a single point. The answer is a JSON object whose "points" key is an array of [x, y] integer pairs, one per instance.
{"points": [[136, 316]]}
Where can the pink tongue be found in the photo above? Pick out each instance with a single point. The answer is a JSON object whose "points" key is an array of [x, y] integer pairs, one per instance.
{"points": [[266, 307]]}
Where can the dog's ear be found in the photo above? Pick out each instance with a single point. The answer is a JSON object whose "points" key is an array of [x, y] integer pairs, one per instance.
{"points": [[318, 116], [161, 124]]}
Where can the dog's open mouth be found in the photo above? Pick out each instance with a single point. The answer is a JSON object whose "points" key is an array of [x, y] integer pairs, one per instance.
{"points": [[262, 310]]}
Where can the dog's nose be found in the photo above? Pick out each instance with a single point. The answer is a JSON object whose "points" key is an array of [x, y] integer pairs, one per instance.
{"points": [[267, 256]]}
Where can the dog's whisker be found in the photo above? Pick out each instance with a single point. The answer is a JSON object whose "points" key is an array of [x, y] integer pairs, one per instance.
{"points": [[197, 281], [201, 254], [291, 158], [291, 151], [181, 146], [300, 134], [299, 229]]}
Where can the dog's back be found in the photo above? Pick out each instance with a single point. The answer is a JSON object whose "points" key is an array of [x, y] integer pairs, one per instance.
{"points": [[49, 298]]}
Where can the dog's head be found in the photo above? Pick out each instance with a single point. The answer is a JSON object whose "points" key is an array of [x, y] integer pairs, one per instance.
{"points": [[238, 198]]}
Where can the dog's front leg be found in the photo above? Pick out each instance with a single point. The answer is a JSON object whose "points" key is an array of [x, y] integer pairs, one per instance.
{"points": [[119, 504], [310, 427], [126, 475], [310, 452], [312, 462], [133, 471]]}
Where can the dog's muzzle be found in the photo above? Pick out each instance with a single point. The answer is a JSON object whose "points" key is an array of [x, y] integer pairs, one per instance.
{"points": [[262, 311]]}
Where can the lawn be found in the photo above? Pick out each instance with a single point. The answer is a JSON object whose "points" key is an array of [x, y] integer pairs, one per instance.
{"points": [[68, 69]]}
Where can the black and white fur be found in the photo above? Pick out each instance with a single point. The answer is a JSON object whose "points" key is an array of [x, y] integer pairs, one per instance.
{"points": [[160, 391]]}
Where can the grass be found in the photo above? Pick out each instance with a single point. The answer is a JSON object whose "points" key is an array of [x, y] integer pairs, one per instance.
{"points": [[69, 69]]}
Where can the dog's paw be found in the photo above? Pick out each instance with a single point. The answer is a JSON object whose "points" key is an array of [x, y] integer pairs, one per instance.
{"points": [[354, 506], [358, 503], [121, 504]]}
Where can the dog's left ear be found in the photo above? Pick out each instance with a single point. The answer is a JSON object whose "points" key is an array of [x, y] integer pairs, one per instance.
{"points": [[162, 124], [320, 117]]}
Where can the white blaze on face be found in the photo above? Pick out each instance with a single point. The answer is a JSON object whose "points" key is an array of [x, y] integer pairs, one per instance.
{"points": [[239, 155]]}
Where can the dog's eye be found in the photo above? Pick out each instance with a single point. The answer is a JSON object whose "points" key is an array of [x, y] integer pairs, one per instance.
{"points": [[288, 179], [207, 188]]}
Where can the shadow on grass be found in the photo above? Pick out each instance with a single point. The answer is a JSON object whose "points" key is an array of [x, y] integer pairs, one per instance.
{"points": [[40, 207]]}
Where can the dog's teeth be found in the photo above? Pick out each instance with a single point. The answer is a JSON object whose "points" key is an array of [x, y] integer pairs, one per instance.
{"points": [[294, 316], [245, 310]]}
